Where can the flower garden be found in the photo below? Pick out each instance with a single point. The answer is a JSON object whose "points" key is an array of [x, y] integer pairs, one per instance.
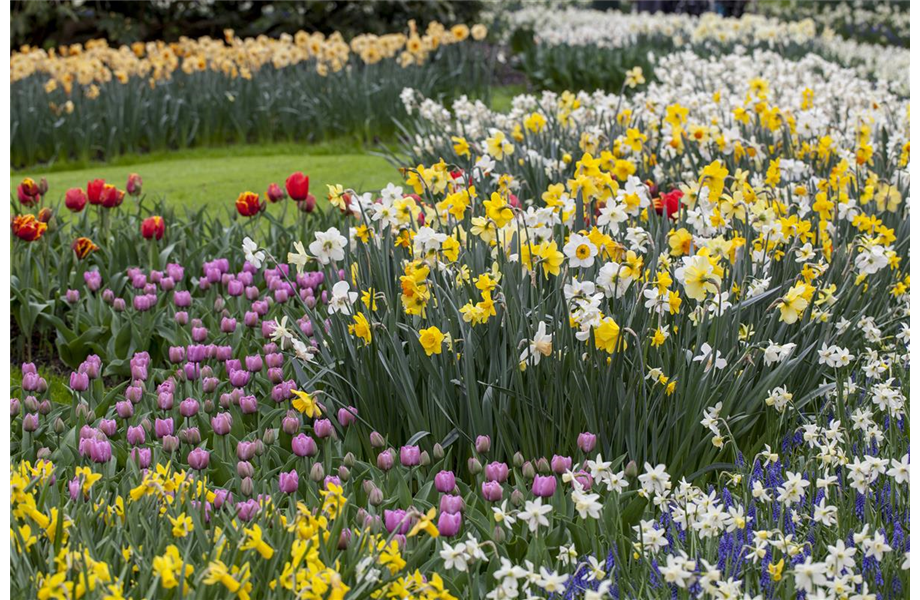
{"points": [[642, 334]]}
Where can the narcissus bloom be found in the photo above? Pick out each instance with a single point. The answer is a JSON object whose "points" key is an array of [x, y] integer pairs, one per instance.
{"points": [[431, 340], [306, 404], [361, 328]]}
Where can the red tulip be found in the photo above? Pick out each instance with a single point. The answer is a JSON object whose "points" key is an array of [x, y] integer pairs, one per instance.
{"points": [[28, 228], [75, 199], [248, 204], [298, 186], [153, 228], [94, 190], [29, 192], [274, 193], [111, 196], [135, 183], [669, 202]]}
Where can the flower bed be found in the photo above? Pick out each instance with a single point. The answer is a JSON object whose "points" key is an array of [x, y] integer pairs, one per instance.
{"points": [[99, 101], [651, 345]]}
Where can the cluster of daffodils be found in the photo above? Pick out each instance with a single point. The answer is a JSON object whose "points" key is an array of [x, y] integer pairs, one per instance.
{"points": [[746, 106], [882, 21], [94, 63], [823, 513], [709, 35]]}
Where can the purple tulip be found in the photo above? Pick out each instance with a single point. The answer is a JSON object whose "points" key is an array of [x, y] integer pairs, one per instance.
{"points": [[409, 456], [221, 496], [497, 471], [188, 407], [584, 479], [165, 400], [303, 445], [198, 459], [30, 422], [93, 280], [492, 491], [483, 444], [72, 296], [586, 442], [347, 416], [182, 298], [79, 382], [385, 460], [239, 378], [221, 423], [136, 435], [396, 520], [560, 464], [108, 427], [323, 428], [246, 511], [246, 450], [249, 405], [142, 456], [163, 427], [445, 482], [544, 487], [288, 482], [99, 451], [449, 524], [254, 364], [451, 504]]}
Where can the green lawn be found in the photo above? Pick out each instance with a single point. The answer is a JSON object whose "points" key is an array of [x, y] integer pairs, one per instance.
{"points": [[215, 177]]}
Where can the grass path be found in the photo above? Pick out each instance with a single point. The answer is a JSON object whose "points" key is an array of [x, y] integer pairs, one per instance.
{"points": [[215, 177]]}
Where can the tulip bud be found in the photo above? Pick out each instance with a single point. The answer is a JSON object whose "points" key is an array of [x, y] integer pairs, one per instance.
{"points": [[474, 466], [290, 425], [317, 473], [517, 498], [44, 407], [528, 470], [483, 444], [59, 426], [170, 443], [423, 459], [375, 498], [632, 470], [437, 452], [517, 460], [245, 469], [83, 411], [349, 460], [246, 486], [344, 473], [269, 437], [30, 422], [344, 539], [498, 534], [377, 440], [543, 465]]}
